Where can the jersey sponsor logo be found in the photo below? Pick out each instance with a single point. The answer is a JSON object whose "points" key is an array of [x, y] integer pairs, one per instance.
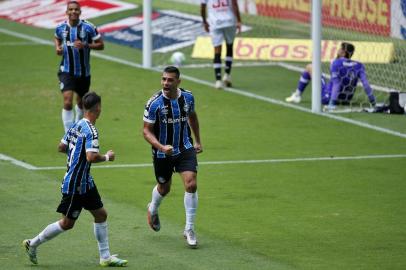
{"points": [[94, 131], [48, 14], [173, 121], [69, 43]]}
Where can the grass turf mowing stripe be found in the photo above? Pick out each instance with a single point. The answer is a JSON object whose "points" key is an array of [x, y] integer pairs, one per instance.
{"points": [[220, 162], [129, 233], [232, 90]]}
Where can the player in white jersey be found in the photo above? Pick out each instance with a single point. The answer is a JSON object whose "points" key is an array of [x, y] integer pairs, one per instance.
{"points": [[223, 22]]}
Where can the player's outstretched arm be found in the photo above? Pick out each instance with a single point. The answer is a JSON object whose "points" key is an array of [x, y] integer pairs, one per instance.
{"points": [[94, 157], [58, 46]]}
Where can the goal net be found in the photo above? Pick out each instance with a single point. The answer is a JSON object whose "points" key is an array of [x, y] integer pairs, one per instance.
{"points": [[278, 32]]}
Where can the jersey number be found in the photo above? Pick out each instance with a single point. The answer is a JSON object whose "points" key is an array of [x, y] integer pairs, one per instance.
{"points": [[220, 3]]}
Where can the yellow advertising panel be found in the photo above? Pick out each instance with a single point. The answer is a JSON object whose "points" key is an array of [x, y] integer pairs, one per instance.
{"points": [[296, 50]]}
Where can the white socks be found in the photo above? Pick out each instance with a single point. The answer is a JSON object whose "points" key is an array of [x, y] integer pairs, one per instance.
{"points": [[47, 234], [190, 201], [67, 119], [52, 230], [155, 201], [100, 231], [79, 113]]}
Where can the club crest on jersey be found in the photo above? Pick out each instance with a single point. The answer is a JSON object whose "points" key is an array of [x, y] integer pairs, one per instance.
{"points": [[82, 34], [186, 107], [95, 143], [161, 180], [164, 110], [75, 214]]}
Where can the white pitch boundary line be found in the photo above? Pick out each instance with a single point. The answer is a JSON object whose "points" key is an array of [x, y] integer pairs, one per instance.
{"points": [[19, 43], [17, 162], [220, 162], [232, 90]]}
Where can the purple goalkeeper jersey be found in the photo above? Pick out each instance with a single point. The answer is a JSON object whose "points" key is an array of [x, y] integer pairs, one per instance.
{"points": [[345, 74]]}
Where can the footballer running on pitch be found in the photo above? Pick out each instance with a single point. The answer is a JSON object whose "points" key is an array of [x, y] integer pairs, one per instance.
{"points": [[169, 118], [81, 145], [73, 40]]}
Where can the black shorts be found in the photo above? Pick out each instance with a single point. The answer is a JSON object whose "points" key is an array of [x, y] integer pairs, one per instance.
{"points": [[164, 167], [80, 85], [72, 205]]}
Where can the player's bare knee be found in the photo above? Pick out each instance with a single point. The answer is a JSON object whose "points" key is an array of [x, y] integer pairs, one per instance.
{"points": [[99, 215], [191, 186], [164, 189], [102, 217], [66, 224]]}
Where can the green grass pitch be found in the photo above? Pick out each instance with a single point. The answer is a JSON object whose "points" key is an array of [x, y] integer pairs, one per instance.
{"points": [[292, 214]]}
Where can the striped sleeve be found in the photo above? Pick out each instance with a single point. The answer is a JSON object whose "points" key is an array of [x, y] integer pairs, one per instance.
{"points": [[151, 109], [92, 139]]}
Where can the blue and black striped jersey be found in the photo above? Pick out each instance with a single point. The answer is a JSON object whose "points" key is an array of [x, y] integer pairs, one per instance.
{"points": [[82, 137], [76, 61], [170, 119]]}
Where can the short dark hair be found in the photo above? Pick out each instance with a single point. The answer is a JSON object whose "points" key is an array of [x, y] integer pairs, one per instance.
{"points": [[172, 69], [90, 100], [348, 48], [73, 2]]}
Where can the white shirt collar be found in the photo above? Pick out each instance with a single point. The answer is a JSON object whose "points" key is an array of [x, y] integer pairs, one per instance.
{"points": [[179, 93]]}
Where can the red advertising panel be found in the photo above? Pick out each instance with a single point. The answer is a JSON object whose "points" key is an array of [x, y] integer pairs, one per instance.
{"points": [[368, 16], [47, 14]]}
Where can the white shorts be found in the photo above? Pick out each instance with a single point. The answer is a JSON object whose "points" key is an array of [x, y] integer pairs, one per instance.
{"points": [[227, 33]]}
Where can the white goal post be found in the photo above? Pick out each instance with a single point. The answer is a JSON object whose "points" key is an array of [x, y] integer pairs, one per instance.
{"points": [[377, 28]]}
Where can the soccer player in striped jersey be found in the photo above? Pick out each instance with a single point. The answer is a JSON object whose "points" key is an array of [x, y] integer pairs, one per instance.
{"points": [[73, 40], [169, 118], [345, 74], [81, 144], [223, 22]]}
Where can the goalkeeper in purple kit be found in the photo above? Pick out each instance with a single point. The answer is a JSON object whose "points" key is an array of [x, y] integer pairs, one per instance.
{"points": [[345, 74]]}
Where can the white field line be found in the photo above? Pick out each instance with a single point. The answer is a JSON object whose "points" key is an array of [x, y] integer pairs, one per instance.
{"points": [[232, 90], [17, 162], [220, 162], [19, 43]]}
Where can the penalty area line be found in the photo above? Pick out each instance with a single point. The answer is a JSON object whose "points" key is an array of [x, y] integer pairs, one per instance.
{"points": [[220, 162]]}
